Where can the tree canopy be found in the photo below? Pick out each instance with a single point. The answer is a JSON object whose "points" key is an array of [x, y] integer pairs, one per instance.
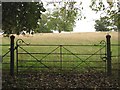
{"points": [[18, 16], [103, 24], [110, 11], [61, 19]]}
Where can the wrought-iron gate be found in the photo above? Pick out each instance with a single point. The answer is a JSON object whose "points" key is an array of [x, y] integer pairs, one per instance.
{"points": [[37, 57]]}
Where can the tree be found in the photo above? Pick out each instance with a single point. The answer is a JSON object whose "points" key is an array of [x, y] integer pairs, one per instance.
{"points": [[110, 10], [103, 24], [42, 24], [61, 19], [17, 16]]}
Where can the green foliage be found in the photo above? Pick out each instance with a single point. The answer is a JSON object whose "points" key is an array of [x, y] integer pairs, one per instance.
{"points": [[43, 24], [61, 19], [110, 10], [17, 16], [99, 26], [103, 24]]}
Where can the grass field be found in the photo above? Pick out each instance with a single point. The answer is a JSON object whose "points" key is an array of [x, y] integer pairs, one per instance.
{"points": [[54, 60], [66, 38]]}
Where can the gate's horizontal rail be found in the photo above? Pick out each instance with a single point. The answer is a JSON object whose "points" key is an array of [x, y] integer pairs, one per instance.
{"points": [[58, 61], [98, 67], [115, 44], [60, 53], [4, 44], [60, 45], [115, 56], [31, 67], [51, 67], [5, 63]]}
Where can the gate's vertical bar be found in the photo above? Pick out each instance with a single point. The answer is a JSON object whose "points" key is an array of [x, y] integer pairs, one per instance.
{"points": [[12, 55], [118, 21], [61, 56], [17, 58], [1, 61], [109, 67]]}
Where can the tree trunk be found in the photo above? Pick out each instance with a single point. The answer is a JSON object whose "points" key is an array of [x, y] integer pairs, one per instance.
{"points": [[59, 31]]}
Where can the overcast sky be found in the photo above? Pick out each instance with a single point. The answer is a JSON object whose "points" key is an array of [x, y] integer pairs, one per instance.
{"points": [[86, 25]]}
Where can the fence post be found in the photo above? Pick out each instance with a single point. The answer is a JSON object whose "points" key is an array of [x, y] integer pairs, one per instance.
{"points": [[109, 66], [61, 56], [12, 55]]}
